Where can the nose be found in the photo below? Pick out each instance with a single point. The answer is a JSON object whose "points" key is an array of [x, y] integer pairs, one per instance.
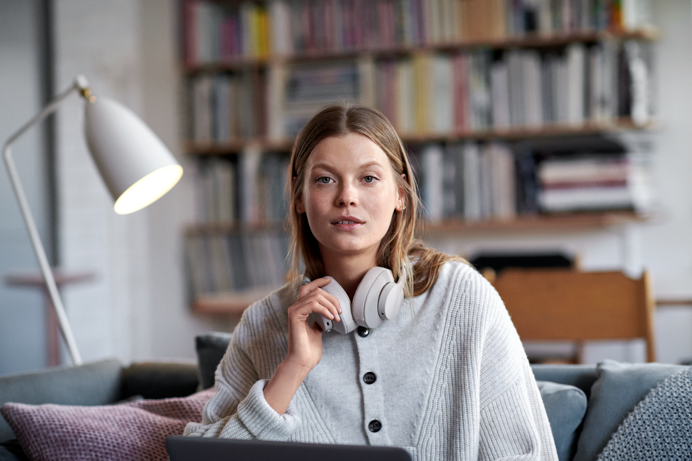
{"points": [[347, 195]]}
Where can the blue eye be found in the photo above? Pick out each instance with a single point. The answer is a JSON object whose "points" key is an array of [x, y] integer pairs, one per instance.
{"points": [[323, 180], [369, 179]]}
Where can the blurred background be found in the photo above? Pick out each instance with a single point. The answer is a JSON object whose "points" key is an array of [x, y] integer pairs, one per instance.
{"points": [[542, 132]]}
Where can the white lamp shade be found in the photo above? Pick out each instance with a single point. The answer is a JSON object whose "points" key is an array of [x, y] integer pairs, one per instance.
{"points": [[135, 165]]}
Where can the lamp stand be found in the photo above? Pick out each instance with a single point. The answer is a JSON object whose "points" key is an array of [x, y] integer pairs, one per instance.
{"points": [[80, 85]]}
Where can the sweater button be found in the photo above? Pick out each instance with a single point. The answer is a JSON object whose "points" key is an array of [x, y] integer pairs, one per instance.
{"points": [[363, 332], [369, 377], [375, 426]]}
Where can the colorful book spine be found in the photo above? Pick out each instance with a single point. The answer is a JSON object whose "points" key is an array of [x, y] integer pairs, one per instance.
{"points": [[217, 32]]}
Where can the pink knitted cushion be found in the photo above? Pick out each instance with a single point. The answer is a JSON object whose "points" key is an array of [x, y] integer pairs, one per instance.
{"points": [[129, 431]]}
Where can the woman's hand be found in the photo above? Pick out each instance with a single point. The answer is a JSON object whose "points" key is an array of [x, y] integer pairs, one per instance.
{"points": [[304, 343], [304, 339]]}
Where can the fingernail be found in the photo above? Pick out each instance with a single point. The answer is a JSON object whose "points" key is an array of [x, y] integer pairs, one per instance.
{"points": [[340, 311], [331, 316]]}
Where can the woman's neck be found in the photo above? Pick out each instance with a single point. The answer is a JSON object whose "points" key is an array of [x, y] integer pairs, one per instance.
{"points": [[348, 271]]}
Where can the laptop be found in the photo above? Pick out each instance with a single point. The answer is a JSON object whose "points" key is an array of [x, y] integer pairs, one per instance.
{"points": [[213, 449]]}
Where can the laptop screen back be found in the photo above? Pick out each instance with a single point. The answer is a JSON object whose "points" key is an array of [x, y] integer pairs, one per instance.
{"points": [[213, 449]]}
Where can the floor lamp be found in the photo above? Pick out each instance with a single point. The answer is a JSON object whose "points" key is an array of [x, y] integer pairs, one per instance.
{"points": [[135, 165]]}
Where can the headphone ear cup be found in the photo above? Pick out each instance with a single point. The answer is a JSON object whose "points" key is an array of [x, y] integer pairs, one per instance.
{"points": [[391, 299], [366, 299]]}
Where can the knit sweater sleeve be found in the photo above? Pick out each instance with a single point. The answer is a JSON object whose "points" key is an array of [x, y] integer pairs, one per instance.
{"points": [[239, 410], [513, 421]]}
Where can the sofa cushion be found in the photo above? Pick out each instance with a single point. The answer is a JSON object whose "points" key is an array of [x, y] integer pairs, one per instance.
{"points": [[210, 350], [658, 426], [135, 430], [618, 388], [565, 406], [95, 383], [581, 376]]}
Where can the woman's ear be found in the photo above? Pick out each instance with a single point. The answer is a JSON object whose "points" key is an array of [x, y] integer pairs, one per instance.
{"points": [[299, 205], [299, 202]]}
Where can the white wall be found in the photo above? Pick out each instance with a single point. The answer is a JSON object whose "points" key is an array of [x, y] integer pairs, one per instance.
{"points": [[137, 308], [22, 328], [666, 246]]}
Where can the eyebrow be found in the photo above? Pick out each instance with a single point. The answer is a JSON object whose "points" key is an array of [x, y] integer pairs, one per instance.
{"points": [[363, 166]]}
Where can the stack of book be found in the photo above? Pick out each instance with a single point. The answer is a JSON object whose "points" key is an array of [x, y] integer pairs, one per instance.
{"points": [[228, 263], [227, 107], [520, 88], [249, 189], [216, 191], [222, 32], [594, 182], [309, 88], [467, 92], [215, 32], [468, 181]]}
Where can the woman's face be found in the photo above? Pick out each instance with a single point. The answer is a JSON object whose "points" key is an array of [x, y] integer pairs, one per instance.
{"points": [[349, 195]]}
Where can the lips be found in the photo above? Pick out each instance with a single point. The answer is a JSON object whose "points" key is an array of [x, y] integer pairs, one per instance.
{"points": [[347, 223], [347, 220]]}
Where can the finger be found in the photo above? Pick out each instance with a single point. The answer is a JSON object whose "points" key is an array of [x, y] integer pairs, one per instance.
{"points": [[331, 303], [301, 312], [327, 300], [332, 300], [312, 286]]}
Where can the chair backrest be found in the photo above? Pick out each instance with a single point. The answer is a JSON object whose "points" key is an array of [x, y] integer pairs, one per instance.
{"points": [[567, 305]]}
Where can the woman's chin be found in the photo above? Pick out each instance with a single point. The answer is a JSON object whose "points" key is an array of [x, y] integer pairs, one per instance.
{"points": [[348, 247]]}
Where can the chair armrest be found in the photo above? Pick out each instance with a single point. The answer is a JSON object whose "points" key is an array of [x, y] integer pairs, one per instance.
{"points": [[159, 380]]}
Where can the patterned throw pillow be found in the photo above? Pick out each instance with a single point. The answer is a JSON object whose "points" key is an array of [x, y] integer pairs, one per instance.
{"points": [[130, 431]]}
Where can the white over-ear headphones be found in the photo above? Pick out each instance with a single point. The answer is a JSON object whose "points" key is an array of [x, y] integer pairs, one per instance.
{"points": [[378, 298]]}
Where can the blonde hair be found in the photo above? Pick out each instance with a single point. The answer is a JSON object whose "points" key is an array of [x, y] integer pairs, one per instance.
{"points": [[399, 250]]}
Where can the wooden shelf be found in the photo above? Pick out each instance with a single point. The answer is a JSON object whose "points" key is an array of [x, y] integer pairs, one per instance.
{"points": [[548, 222], [514, 134], [538, 223], [233, 304], [233, 228], [529, 41], [229, 303]]}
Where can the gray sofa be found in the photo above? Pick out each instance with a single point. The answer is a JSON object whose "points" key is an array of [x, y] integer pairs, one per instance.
{"points": [[585, 403], [100, 383]]}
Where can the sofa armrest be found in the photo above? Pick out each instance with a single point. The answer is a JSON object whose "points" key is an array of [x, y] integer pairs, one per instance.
{"points": [[581, 376], [159, 380], [95, 383]]}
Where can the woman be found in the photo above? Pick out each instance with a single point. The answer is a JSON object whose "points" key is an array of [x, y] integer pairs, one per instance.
{"points": [[446, 379]]}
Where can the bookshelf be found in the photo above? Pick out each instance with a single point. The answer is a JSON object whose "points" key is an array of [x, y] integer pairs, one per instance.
{"points": [[537, 41], [588, 128], [477, 87]]}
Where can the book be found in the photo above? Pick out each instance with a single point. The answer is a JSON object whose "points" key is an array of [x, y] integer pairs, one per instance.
{"points": [[431, 162], [581, 182], [472, 181]]}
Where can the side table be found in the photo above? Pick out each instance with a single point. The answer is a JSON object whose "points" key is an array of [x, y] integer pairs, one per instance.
{"points": [[35, 280]]}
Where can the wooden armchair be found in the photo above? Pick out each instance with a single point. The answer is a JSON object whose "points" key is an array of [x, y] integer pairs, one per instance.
{"points": [[568, 305]]}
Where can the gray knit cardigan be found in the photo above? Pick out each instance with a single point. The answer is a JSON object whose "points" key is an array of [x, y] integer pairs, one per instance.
{"points": [[452, 381]]}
